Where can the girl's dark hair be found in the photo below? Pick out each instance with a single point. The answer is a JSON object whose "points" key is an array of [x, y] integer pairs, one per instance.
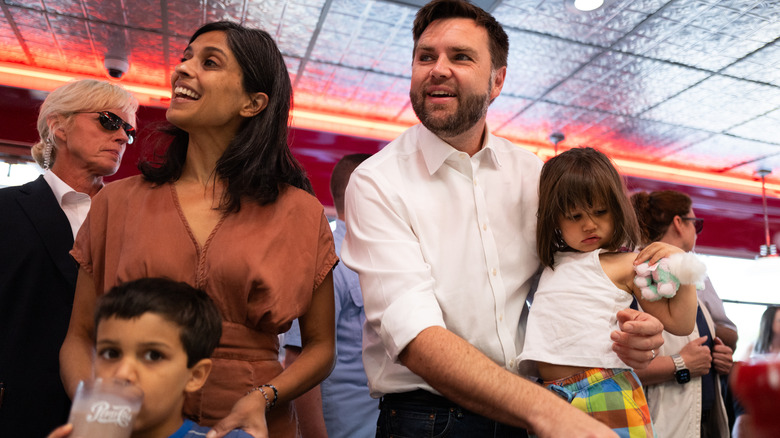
{"points": [[765, 334], [258, 161], [581, 178], [199, 321], [655, 211]]}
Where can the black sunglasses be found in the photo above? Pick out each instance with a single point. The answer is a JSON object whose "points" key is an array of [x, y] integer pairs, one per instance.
{"points": [[112, 122], [698, 223]]}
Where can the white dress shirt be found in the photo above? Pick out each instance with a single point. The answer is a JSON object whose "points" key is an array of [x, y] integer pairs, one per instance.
{"points": [[74, 204], [441, 239]]}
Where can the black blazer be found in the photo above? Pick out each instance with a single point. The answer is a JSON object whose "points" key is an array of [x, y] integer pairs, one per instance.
{"points": [[37, 283]]}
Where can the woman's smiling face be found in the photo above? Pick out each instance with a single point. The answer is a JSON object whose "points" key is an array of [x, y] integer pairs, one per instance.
{"points": [[207, 85]]}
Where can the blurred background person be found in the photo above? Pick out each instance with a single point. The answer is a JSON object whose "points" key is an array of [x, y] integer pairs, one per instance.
{"points": [[768, 341], [228, 210], [682, 383], [341, 406], [767, 346], [84, 127]]}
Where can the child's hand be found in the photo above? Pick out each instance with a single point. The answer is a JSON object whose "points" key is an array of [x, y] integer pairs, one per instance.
{"points": [[656, 251], [61, 432]]}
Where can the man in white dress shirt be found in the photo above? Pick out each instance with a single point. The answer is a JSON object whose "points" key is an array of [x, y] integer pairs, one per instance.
{"points": [[441, 229]]}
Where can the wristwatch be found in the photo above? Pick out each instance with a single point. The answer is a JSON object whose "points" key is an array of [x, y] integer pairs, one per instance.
{"points": [[681, 373]]}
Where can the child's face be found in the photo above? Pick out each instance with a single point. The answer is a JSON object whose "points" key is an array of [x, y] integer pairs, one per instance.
{"points": [[587, 229], [147, 352]]}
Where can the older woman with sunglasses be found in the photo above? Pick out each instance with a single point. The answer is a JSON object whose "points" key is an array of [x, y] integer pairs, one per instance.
{"points": [[682, 383], [84, 127]]}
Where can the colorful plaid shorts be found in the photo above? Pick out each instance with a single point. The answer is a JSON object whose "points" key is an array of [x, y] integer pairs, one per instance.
{"points": [[612, 396]]}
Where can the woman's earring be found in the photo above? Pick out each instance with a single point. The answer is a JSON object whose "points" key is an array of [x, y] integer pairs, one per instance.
{"points": [[47, 148]]}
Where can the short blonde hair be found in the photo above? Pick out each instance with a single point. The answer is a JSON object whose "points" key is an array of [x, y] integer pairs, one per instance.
{"points": [[84, 95]]}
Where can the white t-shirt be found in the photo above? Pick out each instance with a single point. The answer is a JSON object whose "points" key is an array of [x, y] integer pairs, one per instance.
{"points": [[574, 311]]}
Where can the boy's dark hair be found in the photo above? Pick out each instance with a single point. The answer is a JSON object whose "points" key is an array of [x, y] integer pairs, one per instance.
{"points": [[581, 178], [442, 9], [197, 317], [340, 177], [656, 211]]}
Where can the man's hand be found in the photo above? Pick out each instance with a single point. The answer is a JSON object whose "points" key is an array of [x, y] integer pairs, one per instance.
{"points": [[62, 431], [638, 338], [722, 357], [697, 357], [247, 414], [570, 422]]}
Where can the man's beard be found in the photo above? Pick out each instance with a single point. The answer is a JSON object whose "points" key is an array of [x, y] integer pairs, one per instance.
{"points": [[471, 109]]}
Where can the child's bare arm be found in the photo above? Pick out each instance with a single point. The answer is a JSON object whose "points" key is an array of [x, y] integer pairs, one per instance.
{"points": [[677, 314]]}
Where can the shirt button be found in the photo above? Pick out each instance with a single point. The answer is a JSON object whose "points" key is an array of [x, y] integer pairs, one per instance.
{"points": [[484, 227], [512, 363], [475, 181], [500, 317], [494, 272]]}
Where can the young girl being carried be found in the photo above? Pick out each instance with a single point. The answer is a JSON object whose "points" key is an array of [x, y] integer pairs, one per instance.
{"points": [[585, 219]]}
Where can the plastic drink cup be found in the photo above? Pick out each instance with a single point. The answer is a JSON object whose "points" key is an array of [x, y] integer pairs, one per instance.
{"points": [[104, 409]]}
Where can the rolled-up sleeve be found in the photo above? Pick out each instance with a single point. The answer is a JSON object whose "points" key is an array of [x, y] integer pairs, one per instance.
{"points": [[381, 246]]}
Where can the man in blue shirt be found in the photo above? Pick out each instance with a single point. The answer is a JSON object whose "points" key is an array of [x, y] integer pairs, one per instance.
{"points": [[347, 408]]}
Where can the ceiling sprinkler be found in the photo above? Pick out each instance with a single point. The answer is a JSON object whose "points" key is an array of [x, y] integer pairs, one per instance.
{"points": [[555, 138]]}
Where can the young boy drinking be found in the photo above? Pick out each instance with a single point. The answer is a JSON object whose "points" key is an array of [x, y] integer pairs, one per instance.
{"points": [[157, 334]]}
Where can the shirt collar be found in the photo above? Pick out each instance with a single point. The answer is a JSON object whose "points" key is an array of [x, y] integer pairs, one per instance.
{"points": [[436, 151], [58, 186], [62, 191]]}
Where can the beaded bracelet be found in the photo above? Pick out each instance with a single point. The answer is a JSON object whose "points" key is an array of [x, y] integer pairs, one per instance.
{"points": [[268, 403]]}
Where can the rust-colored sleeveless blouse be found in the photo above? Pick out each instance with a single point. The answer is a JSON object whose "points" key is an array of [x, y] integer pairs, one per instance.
{"points": [[260, 266]]}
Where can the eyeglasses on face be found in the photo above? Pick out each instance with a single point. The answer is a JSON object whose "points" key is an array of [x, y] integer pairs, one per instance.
{"points": [[112, 122], [698, 223]]}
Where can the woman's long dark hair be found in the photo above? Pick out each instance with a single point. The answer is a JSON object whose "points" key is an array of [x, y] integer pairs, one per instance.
{"points": [[765, 334], [258, 161]]}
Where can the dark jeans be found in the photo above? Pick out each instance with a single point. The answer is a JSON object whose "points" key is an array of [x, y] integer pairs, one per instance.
{"points": [[420, 414]]}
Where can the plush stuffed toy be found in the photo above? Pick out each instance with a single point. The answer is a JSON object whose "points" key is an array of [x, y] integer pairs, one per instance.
{"points": [[664, 278]]}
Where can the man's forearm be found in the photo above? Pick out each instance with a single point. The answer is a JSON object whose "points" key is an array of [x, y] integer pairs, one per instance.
{"points": [[464, 375]]}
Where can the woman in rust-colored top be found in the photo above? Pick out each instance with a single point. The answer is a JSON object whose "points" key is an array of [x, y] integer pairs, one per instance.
{"points": [[228, 210]]}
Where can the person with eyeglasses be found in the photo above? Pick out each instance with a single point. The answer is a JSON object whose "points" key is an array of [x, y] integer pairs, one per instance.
{"points": [[84, 128], [682, 383], [227, 209]]}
